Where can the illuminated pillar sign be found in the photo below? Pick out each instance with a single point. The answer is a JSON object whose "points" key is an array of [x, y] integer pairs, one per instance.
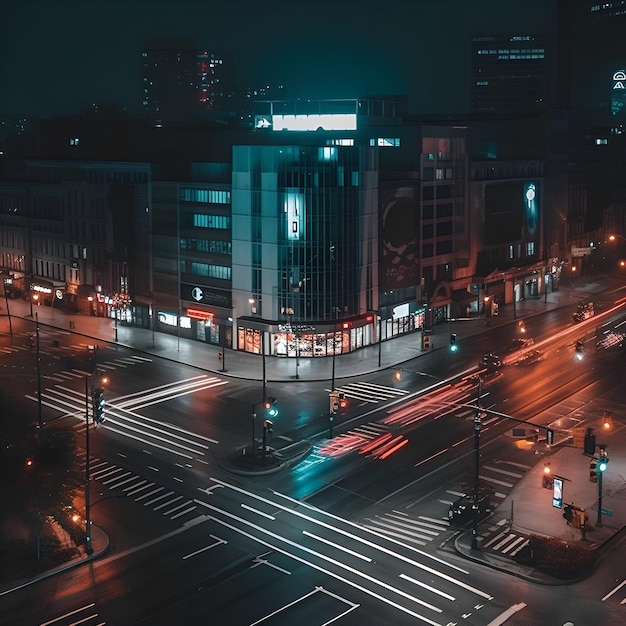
{"points": [[618, 93], [557, 492]]}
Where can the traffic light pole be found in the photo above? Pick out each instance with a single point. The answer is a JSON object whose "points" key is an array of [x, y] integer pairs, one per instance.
{"points": [[599, 521], [88, 545], [39, 416]]}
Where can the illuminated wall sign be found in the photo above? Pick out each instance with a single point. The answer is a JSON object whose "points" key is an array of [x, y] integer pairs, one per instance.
{"points": [[618, 93], [41, 289], [205, 295], [343, 121], [294, 214], [197, 314], [532, 212]]}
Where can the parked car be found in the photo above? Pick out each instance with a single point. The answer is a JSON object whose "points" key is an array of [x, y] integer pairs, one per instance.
{"points": [[520, 343], [491, 361], [461, 511]]}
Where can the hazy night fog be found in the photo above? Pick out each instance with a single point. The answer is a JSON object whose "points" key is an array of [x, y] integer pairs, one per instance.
{"points": [[56, 57]]}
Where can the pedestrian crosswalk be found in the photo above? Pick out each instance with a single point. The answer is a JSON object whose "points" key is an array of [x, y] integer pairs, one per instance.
{"points": [[122, 414], [500, 537], [401, 526], [123, 483], [369, 392]]}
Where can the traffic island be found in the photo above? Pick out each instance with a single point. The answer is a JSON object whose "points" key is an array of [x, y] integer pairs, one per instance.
{"points": [[244, 463]]}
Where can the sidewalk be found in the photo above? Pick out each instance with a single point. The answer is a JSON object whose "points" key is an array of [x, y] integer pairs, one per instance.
{"points": [[100, 546], [237, 364]]}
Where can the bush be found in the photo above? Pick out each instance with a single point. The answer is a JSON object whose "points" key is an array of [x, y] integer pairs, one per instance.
{"points": [[556, 557]]}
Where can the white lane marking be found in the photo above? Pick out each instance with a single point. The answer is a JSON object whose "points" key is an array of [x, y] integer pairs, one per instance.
{"points": [[503, 617], [57, 619], [425, 586], [336, 546], [361, 539], [608, 595], [317, 567], [249, 508], [218, 542]]}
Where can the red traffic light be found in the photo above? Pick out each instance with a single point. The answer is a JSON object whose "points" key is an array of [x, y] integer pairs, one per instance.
{"points": [[343, 401]]}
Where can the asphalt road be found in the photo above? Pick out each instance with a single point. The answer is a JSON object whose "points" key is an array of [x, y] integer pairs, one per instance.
{"points": [[189, 540]]}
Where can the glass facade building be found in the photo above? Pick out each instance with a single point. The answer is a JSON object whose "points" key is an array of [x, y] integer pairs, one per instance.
{"points": [[304, 242]]}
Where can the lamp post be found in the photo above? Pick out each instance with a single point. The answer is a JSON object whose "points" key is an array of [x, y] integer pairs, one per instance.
{"points": [[6, 298]]}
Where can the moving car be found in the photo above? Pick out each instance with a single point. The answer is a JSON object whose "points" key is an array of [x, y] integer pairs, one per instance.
{"points": [[491, 361], [520, 343], [585, 311], [532, 356]]}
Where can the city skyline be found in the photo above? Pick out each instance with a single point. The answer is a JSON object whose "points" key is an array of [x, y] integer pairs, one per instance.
{"points": [[414, 47]]}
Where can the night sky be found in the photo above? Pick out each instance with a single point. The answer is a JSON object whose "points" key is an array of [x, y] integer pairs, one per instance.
{"points": [[57, 56]]}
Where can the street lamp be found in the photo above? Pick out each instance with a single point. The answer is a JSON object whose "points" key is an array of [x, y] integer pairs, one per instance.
{"points": [[6, 298]]}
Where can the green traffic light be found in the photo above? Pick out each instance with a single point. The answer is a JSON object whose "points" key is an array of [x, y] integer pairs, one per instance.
{"points": [[602, 466]]}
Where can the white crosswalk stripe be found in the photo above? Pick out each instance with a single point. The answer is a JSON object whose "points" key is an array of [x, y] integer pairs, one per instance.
{"points": [[128, 484], [402, 527], [122, 414], [500, 538], [370, 392]]}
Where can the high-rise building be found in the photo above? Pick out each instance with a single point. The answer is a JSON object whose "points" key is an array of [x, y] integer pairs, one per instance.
{"points": [[178, 80], [508, 74]]}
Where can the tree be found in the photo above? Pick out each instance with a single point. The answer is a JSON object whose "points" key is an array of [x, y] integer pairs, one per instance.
{"points": [[39, 469]]}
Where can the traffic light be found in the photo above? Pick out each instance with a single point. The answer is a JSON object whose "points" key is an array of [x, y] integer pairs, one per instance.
{"points": [[268, 426], [568, 513], [590, 442], [397, 375], [603, 460], [550, 437], [333, 397], [98, 405], [593, 471], [453, 344], [270, 407], [580, 348], [343, 401]]}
